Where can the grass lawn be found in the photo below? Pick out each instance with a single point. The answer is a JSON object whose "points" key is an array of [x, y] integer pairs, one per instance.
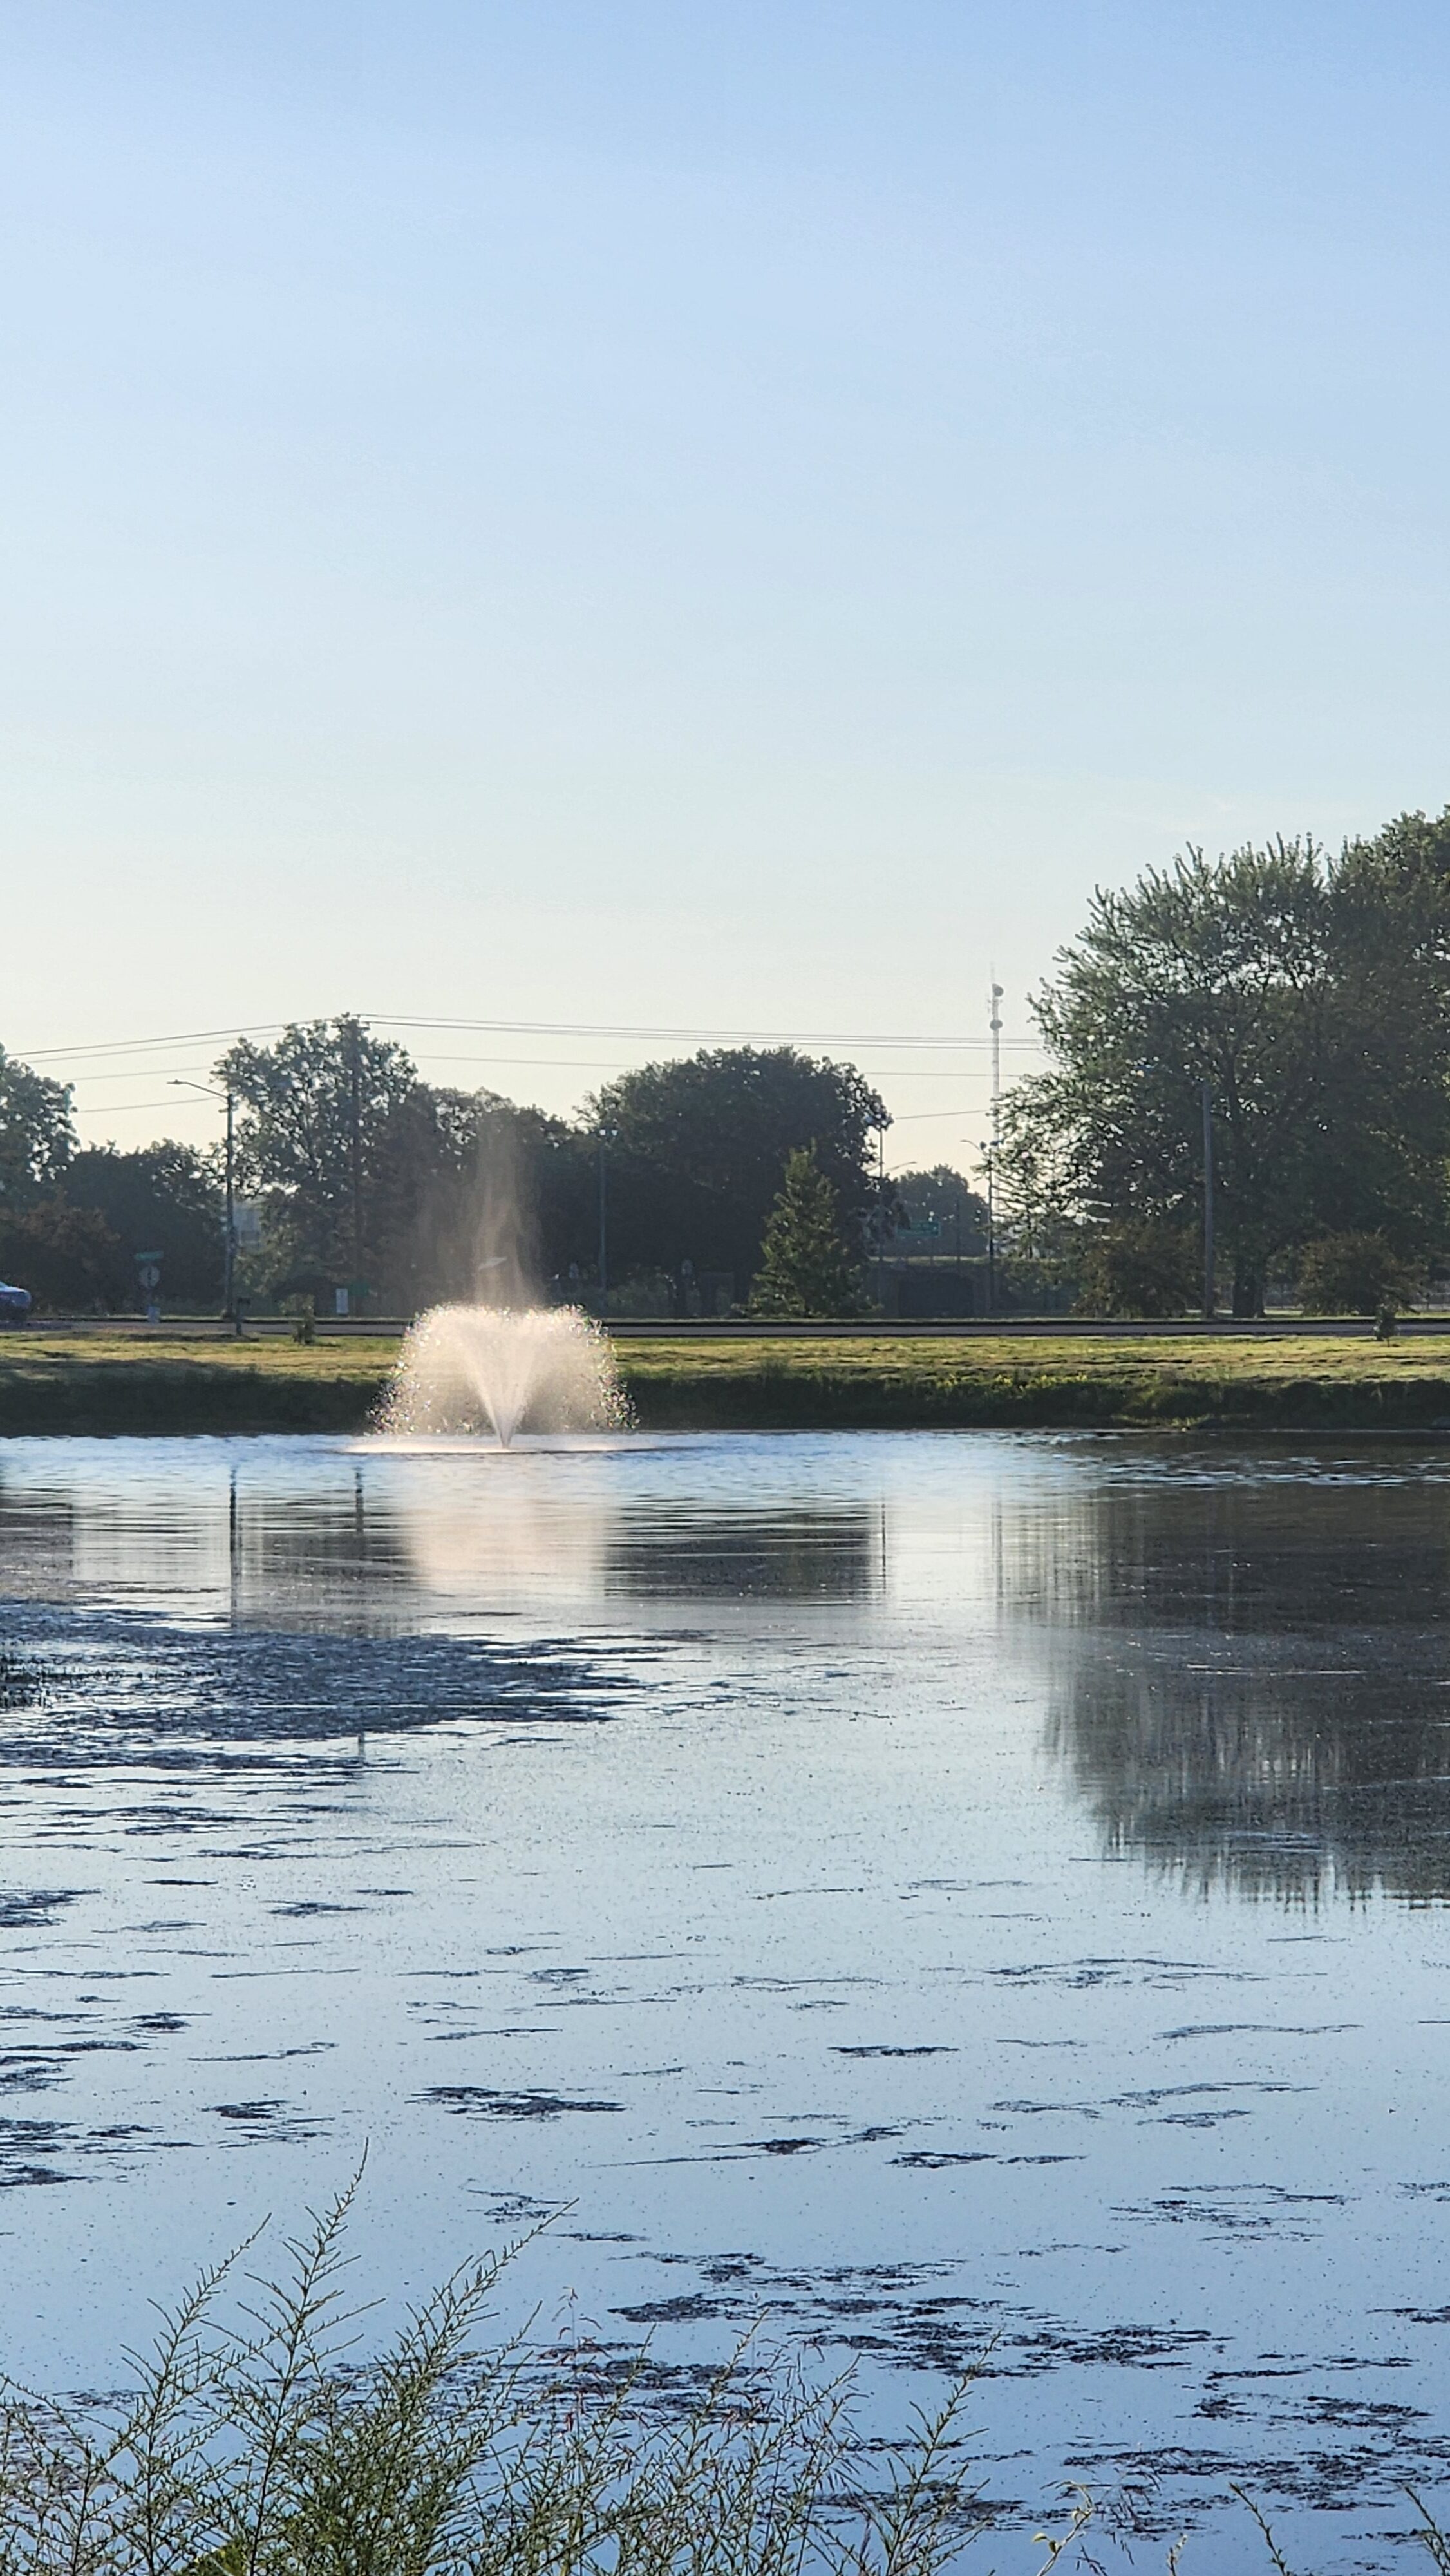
{"points": [[1293, 1380], [124, 1382], [94, 1382]]}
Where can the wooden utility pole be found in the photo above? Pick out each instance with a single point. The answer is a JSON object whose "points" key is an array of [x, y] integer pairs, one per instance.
{"points": [[354, 1051], [1210, 1283]]}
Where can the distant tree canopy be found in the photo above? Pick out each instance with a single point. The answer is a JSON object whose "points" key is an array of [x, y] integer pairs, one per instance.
{"points": [[37, 1137], [66, 1256], [1311, 994], [367, 1172], [315, 1112], [941, 1207], [698, 1148], [162, 1198]]}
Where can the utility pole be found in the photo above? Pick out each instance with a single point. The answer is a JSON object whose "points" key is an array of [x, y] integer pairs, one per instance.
{"points": [[881, 1218], [1210, 1284], [603, 1225], [229, 1274], [229, 1241], [994, 1023], [354, 1036]]}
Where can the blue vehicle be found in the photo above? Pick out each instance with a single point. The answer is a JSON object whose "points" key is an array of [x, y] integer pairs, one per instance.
{"points": [[15, 1304]]}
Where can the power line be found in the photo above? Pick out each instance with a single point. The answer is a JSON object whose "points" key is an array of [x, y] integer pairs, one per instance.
{"points": [[138, 1046], [537, 1028]]}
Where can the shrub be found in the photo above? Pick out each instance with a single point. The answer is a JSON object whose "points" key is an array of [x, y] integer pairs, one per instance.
{"points": [[1354, 1274], [1139, 1266]]}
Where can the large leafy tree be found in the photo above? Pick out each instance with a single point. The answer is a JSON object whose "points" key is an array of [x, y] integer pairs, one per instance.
{"points": [[698, 1148], [1381, 1148], [37, 1137], [477, 1197], [160, 1198], [1309, 995], [316, 1111], [67, 1257]]}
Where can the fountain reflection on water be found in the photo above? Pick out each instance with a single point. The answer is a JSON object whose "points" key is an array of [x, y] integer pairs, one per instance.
{"points": [[503, 1369]]}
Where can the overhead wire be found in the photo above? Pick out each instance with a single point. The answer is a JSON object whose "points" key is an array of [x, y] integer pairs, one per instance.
{"points": [[538, 1028]]}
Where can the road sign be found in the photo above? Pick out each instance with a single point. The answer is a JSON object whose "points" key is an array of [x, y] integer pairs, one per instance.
{"points": [[150, 1275]]}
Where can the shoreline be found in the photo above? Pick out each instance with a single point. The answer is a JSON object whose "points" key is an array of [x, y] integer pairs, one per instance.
{"points": [[89, 1384]]}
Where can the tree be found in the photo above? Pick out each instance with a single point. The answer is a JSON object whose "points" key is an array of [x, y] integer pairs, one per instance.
{"points": [[1353, 1274], [477, 1198], [807, 1266], [315, 1112], [1140, 1267], [1311, 996], [37, 1137], [943, 1197], [697, 1148], [160, 1198], [66, 1256], [1379, 1163]]}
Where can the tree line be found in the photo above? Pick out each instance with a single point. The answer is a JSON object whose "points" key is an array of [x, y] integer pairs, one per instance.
{"points": [[1288, 1007], [734, 1175]]}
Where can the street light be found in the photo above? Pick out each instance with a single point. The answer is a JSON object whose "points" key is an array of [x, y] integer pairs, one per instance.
{"points": [[229, 1254]]}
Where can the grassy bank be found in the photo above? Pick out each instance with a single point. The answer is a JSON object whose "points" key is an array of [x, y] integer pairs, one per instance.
{"points": [[97, 1383], [107, 1383], [1043, 1381]]}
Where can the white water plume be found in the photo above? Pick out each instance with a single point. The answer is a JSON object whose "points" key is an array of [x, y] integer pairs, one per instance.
{"points": [[501, 1369]]}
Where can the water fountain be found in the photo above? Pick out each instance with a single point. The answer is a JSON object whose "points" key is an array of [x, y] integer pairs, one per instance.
{"points": [[503, 1369]]}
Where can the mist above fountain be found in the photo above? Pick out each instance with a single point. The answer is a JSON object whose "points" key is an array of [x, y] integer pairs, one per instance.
{"points": [[503, 1369]]}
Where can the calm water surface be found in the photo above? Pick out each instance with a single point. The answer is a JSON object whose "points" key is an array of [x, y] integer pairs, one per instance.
{"points": [[945, 1891]]}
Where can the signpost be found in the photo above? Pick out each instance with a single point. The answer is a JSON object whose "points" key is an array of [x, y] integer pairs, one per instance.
{"points": [[148, 1273]]}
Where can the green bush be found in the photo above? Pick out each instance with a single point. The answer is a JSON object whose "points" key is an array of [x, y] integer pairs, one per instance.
{"points": [[1139, 1267], [1354, 1274]]}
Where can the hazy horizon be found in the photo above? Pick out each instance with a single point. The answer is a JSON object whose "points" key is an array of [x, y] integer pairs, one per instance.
{"points": [[606, 519]]}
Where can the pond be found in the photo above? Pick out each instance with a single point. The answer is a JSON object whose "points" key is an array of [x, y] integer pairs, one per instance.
{"points": [[964, 1898]]}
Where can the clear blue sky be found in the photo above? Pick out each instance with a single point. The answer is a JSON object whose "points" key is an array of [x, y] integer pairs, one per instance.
{"points": [[702, 514]]}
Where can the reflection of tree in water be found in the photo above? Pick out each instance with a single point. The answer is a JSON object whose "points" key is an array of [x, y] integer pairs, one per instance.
{"points": [[795, 1553], [1252, 1680]]}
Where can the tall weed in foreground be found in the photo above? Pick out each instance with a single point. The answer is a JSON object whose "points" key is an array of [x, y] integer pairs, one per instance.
{"points": [[264, 2447]]}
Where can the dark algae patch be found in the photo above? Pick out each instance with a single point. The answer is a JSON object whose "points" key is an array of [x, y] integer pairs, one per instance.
{"points": [[479, 2102]]}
